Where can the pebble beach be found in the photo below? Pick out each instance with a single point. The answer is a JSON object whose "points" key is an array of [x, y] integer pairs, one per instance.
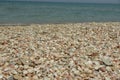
{"points": [[78, 51]]}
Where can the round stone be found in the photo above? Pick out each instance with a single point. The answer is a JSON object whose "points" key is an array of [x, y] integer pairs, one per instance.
{"points": [[25, 72], [30, 70], [108, 69], [35, 77]]}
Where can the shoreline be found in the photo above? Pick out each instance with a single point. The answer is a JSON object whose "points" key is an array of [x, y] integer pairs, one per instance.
{"points": [[28, 24], [73, 51]]}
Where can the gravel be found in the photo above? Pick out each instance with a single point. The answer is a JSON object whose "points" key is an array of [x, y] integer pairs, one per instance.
{"points": [[81, 51]]}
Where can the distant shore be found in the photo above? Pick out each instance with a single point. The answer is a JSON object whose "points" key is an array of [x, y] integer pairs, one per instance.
{"points": [[73, 51]]}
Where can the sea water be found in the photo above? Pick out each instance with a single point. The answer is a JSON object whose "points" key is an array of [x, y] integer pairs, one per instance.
{"points": [[27, 12]]}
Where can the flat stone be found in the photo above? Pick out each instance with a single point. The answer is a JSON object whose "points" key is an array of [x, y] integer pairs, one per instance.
{"points": [[27, 78], [107, 78], [89, 63], [14, 72], [107, 61], [71, 63], [18, 77], [88, 71], [1, 76], [98, 66], [35, 77], [10, 78], [25, 72], [103, 69], [108, 68], [16, 66], [30, 70], [26, 66]]}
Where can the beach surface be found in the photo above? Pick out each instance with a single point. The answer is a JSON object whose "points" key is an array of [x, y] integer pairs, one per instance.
{"points": [[80, 51]]}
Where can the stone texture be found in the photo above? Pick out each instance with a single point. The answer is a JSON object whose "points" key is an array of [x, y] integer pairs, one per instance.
{"points": [[81, 51]]}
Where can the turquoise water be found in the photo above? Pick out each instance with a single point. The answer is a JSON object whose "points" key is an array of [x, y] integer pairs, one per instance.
{"points": [[53, 12]]}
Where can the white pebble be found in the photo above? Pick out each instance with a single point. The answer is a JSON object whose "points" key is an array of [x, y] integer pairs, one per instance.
{"points": [[16, 66], [25, 72], [71, 63], [26, 66], [30, 70], [1, 76], [107, 78]]}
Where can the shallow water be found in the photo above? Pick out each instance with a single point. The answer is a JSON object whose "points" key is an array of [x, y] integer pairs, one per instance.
{"points": [[18, 12]]}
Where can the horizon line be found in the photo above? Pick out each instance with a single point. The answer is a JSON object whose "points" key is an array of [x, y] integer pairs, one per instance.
{"points": [[60, 2]]}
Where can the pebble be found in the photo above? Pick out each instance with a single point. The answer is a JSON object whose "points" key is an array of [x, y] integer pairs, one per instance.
{"points": [[18, 77], [103, 69], [16, 66], [108, 68], [25, 72], [89, 63], [26, 66], [35, 77], [97, 67], [88, 71], [107, 61], [71, 63], [14, 72], [1, 76], [106, 78], [27, 78], [30, 70], [10, 78]]}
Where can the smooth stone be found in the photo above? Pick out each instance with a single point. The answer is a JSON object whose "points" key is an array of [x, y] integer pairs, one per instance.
{"points": [[30, 70], [98, 66], [26, 66], [10, 78], [1, 76], [16, 66], [18, 77], [107, 61], [108, 68], [14, 72], [71, 63], [25, 72], [107, 78], [87, 71], [103, 69], [35, 77]]}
